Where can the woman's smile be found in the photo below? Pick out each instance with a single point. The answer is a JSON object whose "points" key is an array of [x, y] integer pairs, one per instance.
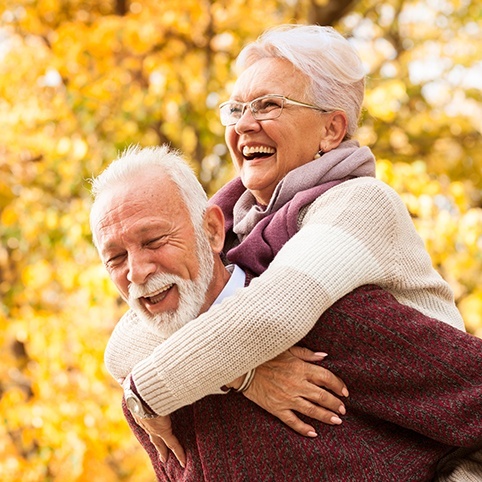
{"points": [[254, 152]]}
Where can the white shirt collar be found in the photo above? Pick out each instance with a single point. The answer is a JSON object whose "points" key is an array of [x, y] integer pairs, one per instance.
{"points": [[236, 281]]}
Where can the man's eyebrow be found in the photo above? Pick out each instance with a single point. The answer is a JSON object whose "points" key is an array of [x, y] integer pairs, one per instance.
{"points": [[159, 228], [110, 248]]}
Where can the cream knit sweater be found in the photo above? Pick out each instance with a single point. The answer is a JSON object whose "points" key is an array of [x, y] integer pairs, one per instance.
{"points": [[356, 233]]}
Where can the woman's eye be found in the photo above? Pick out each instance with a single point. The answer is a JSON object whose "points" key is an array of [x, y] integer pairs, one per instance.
{"points": [[236, 109], [268, 104]]}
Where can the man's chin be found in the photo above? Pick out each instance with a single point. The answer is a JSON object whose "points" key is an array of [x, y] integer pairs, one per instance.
{"points": [[192, 296], [164, 325]]}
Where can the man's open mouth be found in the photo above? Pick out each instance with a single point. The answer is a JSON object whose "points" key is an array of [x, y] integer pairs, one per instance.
{"points": [[159, 296]]}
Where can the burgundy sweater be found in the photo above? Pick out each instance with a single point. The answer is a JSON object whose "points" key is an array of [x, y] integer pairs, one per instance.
{"points": [[415, 395]]}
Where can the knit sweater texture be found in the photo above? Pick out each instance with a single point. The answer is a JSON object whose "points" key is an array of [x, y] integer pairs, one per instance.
{"points": [[415, 395], [205, 436], [358, 232]]}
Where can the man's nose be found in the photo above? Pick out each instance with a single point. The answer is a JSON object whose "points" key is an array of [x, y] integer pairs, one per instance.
{"points": [[141, 266]]}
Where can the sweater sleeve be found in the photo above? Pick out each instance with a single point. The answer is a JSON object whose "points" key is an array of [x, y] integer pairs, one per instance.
{"points": [[352, 236], [130, 342]]}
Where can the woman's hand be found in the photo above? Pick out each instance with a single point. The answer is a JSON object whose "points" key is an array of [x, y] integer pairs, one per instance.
{"points": [[290, 383]]}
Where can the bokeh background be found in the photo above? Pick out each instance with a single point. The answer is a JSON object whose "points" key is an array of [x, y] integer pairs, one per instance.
{"points": [[82, 79]]}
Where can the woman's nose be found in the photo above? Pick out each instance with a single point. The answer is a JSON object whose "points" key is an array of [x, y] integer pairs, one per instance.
{"points": [[246, 122]]}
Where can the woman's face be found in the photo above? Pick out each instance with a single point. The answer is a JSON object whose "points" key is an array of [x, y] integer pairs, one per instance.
{"points": [[279, 145]]}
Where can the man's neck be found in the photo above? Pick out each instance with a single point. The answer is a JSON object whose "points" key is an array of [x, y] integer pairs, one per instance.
{"points": [[237, 280], [233, 278]]}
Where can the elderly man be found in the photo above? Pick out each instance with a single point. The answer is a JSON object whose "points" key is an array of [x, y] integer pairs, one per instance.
{"points": [[161, 242]]}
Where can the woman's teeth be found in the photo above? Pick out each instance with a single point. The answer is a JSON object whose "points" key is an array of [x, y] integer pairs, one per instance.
{"points": [[253, 151]]}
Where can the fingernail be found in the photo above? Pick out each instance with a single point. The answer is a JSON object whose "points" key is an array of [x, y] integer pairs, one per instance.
{"points": [[342, 409], [345, 392], [335, 420], [163, 460], [311, 433], [321, 354]]}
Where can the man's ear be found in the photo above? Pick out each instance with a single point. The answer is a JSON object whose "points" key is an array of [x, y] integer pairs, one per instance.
{"points": [[214, 227], [335, 131]]}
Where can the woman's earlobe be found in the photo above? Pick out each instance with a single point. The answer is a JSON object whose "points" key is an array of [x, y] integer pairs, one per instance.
{"points": [[340, 124], [335, 131]]}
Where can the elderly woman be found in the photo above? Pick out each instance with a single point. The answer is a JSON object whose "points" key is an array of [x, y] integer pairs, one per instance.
{"points": [[306, 196], [294, 108]]}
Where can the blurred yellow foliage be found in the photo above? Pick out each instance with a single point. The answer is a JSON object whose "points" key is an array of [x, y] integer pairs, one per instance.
{"points": [[81, 80], [451, 231], [385, 101], [471, 308]]}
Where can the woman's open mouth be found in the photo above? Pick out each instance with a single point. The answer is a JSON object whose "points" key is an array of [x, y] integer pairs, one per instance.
{"points": [[256, 152]]}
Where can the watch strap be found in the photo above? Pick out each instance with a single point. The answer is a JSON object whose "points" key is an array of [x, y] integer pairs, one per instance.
{"points": [[134, 401]]}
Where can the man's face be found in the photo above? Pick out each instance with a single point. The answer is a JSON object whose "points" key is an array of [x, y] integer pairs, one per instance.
{"points": [[150, 248]]}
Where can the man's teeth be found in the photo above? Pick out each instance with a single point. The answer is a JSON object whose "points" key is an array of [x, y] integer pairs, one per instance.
{"points": [[159, 296], [250, 151]]}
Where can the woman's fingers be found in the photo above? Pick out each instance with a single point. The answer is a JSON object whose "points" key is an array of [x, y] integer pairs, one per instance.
{"points": [[322, 377], [325, 400], [176, 448], [289, 385], [306, 354], [317, 374], [291, 419]]}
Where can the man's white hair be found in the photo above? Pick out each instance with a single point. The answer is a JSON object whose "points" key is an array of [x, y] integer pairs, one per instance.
{"points": [[136, 159], [325, 57], [192, 293]]}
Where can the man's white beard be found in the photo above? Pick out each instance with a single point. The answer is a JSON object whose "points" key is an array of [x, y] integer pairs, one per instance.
{"points": [[192, 293]]}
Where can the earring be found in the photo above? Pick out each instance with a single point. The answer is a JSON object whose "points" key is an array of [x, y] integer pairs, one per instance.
{"points": [[319, 154]]}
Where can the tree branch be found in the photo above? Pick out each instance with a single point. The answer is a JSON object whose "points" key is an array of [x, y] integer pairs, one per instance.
{"points": [[330, 12]]}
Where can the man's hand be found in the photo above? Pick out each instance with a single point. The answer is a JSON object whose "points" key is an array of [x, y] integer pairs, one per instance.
{"points": [[161, 435], [289, 383]]}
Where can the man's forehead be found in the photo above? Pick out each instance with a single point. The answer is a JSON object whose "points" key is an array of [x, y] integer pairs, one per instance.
{"points": [[139, 212], [155, 191]]}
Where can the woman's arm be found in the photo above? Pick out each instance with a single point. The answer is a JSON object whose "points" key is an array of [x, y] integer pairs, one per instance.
{"points": [[352, 238]]}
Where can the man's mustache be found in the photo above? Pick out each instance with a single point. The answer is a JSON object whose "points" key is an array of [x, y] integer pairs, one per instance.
{"points": [[155, 284]]}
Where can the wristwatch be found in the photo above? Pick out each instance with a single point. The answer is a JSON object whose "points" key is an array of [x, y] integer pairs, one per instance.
{"points": [[135, 405]]}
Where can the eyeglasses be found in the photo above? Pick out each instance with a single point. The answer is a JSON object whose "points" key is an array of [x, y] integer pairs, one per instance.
{"points": [[266, 107]]}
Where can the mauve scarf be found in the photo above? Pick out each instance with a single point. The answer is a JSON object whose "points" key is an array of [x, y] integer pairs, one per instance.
{"points": [[251, 222]]}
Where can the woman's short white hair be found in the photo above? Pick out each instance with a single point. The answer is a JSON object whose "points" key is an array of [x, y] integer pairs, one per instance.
{"points": [[136, 159], [329, 61]]}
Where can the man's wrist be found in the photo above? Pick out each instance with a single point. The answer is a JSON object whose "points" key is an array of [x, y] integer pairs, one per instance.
{"points": [[134, 401]]}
